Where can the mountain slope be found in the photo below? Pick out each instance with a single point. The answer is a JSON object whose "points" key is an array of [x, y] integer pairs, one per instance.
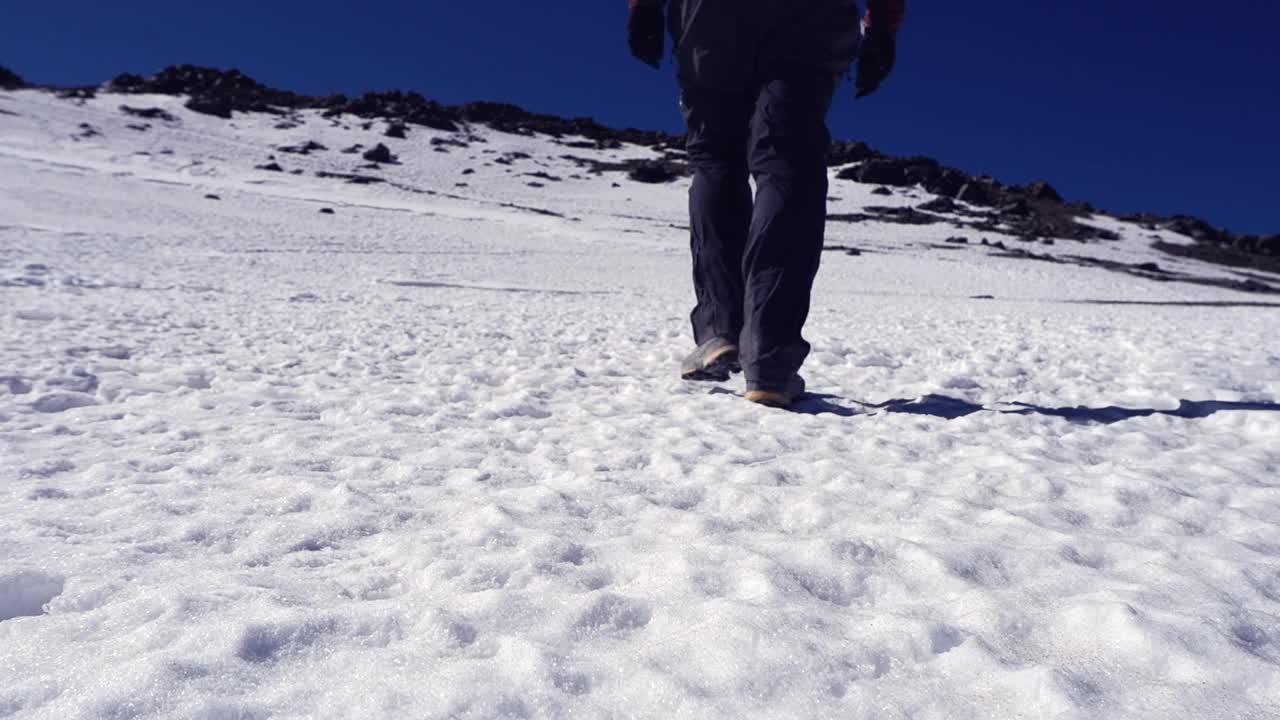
{"points": [[425, 454]]}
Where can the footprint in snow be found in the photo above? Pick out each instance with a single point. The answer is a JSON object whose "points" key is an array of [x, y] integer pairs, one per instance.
{"points": [[614, 614], [25, 593], [62, 401], [46, 469], [268, 642]]}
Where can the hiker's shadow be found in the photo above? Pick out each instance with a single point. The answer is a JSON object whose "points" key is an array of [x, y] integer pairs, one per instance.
{"points": [[950, 408]]}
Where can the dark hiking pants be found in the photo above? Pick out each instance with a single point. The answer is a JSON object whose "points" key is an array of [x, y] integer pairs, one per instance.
{"points": [[757, 78]]}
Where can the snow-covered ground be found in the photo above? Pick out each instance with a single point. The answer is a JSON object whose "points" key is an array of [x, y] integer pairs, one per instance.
{"points": [[428, 456]]}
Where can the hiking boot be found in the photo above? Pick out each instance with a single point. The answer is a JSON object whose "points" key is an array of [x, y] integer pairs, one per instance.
{"points": [[774, 397], [713, 361]]}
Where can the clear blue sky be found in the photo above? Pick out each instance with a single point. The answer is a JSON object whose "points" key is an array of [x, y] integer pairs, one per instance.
{"points": [[1167, 106]]}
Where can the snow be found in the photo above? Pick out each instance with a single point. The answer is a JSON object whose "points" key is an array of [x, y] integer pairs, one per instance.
{"points": [[428, 456]]}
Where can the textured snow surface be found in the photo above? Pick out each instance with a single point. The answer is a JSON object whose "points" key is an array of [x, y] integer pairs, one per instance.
{"points": [[428, 456]]}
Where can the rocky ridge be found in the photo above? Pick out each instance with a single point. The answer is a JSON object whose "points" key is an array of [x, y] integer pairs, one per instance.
{"points": [[1034, 212], [10, 80]]}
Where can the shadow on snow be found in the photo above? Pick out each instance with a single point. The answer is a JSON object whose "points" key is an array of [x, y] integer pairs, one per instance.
{"points": [[950, 408]]}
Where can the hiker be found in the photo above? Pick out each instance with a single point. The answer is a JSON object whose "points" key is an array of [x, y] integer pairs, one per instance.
{"points": [[757, 78]]}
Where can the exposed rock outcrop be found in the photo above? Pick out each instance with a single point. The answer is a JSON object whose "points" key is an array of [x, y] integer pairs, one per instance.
{"points": [[1034, 211]]}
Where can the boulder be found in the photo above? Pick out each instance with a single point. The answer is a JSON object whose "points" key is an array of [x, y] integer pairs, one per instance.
{"points": [[939, 205], [883, 171], [981, 191], [125, 83], [847, 152], [217, 107], [1042, 191], [380, 154], [10, 80], [654, 172], [152, 113], [947, 182], [306, 148]]}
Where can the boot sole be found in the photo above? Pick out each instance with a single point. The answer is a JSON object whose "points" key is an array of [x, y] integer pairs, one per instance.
{"points": [[770, 399], [717, 368]]}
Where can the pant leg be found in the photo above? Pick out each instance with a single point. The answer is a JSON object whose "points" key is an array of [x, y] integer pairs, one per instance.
{"points": [[788, 146], [719, 207]]}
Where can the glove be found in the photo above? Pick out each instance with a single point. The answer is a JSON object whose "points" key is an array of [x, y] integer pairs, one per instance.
{"points": [[644, 33], [875, 61]]}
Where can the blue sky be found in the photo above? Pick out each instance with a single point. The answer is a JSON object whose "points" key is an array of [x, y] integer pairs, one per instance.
{"points": [[1162, 106]]}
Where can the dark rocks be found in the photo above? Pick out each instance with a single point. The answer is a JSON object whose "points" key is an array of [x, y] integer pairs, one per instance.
{"points": [[1035, 210], [326, 211], [1219, 246], [126, 83], [213, 92], [380, 154], [510, 158], [846, 152], [152, 113], [10, 80], [211, 196], [77, 93], [882, 191], [404, 107], [1017, 207], [88, 131], [1221, 254], [510, 118], [939, 205], [880, 171], [351, 177], [454, 142], [948, 182], [903, 215], [215, 106], [979, 191], [306, 148], [269, 167], [1196, 229], [1042, 191], [898, 215], [656, 172], [846, 249], [353, 149], [896, 172]]}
